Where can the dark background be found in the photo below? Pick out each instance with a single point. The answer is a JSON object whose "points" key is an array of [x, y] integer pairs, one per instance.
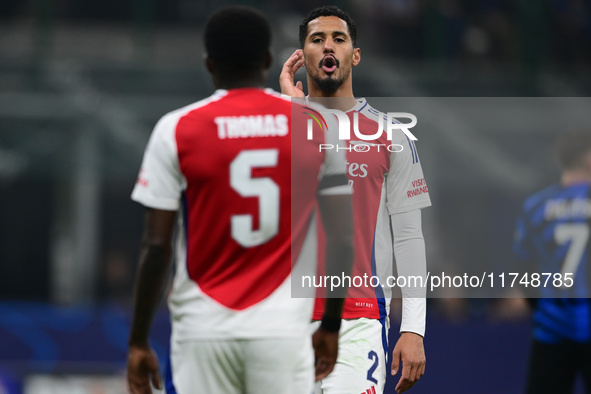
{"points": [[83, 82]]}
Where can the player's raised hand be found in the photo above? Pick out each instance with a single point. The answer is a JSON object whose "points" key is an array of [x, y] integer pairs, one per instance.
{"points": [[141, 364], [326, 347], [287, 77], [410, 351]]}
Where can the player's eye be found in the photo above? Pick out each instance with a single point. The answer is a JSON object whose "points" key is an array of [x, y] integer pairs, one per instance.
{"points": [[339, 39], [317, 40]]}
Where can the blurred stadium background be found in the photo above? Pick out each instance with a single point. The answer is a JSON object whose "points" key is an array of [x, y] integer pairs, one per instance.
{"points": [[83, 82]]}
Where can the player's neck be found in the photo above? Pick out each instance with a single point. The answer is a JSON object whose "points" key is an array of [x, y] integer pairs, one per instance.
{"points": [[573, 177], [240, 85], [255, 81]]}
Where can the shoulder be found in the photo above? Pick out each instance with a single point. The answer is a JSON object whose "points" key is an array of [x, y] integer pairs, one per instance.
{"points": [[272, 93], [198, 106], [364, 108], [276, 101], [540, 197], [171, 118], [375, 115]]}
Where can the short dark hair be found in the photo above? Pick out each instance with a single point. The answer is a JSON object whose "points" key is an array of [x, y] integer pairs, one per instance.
{"points": [[571, 147], [237, 38], [328, 10]]}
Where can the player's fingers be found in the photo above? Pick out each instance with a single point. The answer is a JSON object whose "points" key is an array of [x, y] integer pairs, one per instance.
{"points": [[286, 78], [395, 361], [403, 385], [423, 368], [319, 373], [406, 380], [297, 66], [153, 369], [156, 380], [416, 370], [323, 368], [291, 62], [406, 385], [300, 86], [400, 387], [414, 377], [136, 379], [137, 385], [420, 369]]}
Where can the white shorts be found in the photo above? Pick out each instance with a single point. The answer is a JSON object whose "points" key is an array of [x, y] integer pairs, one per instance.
{"points": [[361, 363], [239, 366]]}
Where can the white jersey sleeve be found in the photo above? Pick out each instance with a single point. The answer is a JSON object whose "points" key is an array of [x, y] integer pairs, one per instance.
{"points": [[406, 186], [411, 261], [160, 181], [407, 193]]}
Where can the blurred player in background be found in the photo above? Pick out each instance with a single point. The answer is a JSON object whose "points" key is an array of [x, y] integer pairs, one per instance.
{"points": [[224, 164], [552, 236], [381, 181]]}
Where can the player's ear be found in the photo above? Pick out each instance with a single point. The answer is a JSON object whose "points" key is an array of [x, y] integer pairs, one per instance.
{"points": [[305, 65], [356, 56], [209, 64], [268, 60]]}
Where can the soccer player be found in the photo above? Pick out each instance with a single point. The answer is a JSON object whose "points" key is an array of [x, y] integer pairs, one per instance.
{"points": [[384, 183], [226, 165], [552, 237]]}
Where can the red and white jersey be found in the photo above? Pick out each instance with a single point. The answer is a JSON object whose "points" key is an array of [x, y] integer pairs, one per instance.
{"points": [[226, 164], [384, 183]]}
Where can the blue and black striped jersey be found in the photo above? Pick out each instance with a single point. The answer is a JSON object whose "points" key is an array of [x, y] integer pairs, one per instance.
{"points": [[552, 236]]}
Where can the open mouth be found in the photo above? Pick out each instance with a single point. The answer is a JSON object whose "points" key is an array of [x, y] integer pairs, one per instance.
{"points": [[329, 63]]}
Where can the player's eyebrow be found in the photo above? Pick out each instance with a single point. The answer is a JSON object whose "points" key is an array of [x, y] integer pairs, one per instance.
{"points": [[339, 33], [333, 33], [318, 33]]}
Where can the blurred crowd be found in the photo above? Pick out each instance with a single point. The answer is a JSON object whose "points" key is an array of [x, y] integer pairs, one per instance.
{"points": [[534, 33]]}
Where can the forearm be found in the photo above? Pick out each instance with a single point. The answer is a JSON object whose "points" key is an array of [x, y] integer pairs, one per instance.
{"points": [[338, 224], [150, 282], [339, 262], [409, 251]]}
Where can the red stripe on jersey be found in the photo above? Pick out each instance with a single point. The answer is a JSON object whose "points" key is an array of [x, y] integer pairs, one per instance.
{"points": [[222, 188]]}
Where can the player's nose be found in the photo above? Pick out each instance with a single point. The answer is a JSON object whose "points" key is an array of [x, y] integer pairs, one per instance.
{"points": [[329, 46]]}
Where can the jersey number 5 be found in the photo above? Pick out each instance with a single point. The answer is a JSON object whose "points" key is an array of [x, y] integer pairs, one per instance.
{"points": [[264, 188]]}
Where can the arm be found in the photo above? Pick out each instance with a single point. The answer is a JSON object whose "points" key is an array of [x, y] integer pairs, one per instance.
{"points": [[337, 221], [409, 250], [153, 270], [516, 303]]}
